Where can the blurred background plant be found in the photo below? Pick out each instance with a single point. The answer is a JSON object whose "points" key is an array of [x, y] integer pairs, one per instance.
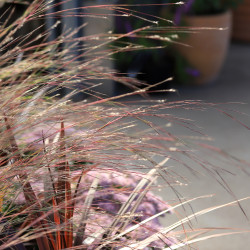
{"points": [[182, 60], [147, 60], [205, 7], [206, 20]]}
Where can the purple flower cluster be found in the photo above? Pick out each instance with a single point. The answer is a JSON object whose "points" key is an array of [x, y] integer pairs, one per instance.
{"points": [[114, 189], [34, 139]]}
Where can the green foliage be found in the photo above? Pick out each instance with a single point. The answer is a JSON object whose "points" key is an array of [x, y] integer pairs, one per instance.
{"points": [[181, 76], [205, 7], [133, 46]]}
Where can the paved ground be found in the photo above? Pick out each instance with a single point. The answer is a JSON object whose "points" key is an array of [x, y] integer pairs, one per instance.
{"points": [[233, 85], [232, 89]]}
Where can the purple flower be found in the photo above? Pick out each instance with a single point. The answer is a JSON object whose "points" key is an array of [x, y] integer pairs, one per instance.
{"points": [[193, 72], [183, 9]]}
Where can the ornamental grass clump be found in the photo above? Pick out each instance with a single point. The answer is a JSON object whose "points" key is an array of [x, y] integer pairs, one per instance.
{"points": [[80, 175]]}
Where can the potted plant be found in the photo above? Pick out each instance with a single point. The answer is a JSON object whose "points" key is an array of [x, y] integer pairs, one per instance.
{"points": [[69, 171], [207, 47]]}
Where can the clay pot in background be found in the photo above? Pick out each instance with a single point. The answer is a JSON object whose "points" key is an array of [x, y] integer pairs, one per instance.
{"points": [[207, 47]]}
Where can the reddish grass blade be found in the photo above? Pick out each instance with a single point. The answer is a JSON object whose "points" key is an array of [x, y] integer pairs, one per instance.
{"points": [[64, 193], [68, 212], [58, 223]]}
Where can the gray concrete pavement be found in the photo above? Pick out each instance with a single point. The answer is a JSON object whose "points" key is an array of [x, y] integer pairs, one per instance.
{"points": [[233, 85]]}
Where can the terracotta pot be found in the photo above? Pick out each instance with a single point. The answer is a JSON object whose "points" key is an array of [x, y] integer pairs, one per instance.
{"points": [[207, 47]]}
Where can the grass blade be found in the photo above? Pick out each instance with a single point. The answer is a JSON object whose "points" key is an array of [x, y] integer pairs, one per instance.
{"points": [[87, 204]]}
